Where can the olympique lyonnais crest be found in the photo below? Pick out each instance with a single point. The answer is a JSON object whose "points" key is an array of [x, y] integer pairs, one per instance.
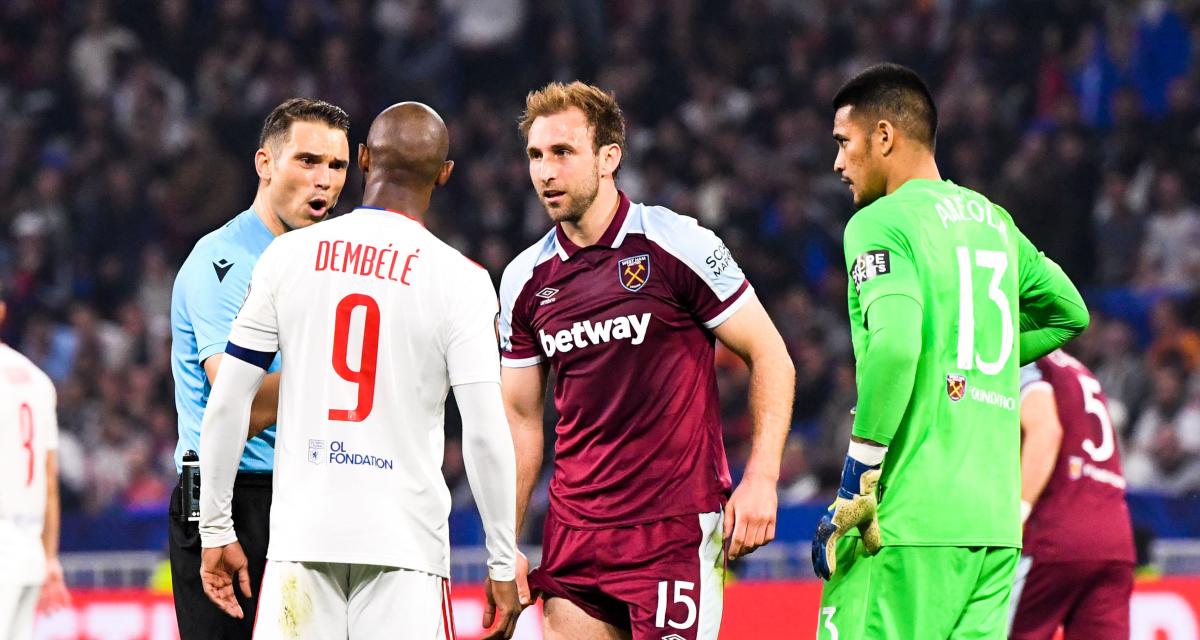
{"points": [[316, 451], [634, 272], [956, 386]]}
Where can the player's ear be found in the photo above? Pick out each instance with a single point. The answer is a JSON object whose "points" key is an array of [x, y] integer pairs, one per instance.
{"points": [[262, 163], [610, 159], [444, 175], [885, 134], [364, 158]]}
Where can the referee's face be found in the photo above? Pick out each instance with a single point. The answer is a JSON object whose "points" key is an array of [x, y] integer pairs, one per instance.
{"points": [[307, 173]]}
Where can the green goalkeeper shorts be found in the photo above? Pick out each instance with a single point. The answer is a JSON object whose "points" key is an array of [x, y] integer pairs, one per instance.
{"points": [[931, 593]]}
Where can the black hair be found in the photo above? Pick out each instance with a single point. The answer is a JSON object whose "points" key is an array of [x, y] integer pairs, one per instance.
{"points": [[279, 121], [896, 93]]}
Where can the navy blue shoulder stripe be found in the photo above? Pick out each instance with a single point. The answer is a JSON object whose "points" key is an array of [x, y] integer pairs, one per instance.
{"points": [[260, 359]]}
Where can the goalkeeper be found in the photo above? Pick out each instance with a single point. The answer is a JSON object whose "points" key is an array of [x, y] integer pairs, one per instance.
{"points": [[947, 299]]}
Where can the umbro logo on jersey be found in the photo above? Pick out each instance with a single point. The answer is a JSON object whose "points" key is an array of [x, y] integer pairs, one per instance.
{"points": [[587, 333], [673, 636], [634, 271], [547, 295], [222, 267]]}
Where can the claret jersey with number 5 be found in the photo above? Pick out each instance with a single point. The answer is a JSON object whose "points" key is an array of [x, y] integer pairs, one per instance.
{"points": [[375, 319], [952, 473]]}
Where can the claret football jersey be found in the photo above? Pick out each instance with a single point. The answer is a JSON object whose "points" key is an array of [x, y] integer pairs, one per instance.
{"points": [[627, 327], [1081, 514]]}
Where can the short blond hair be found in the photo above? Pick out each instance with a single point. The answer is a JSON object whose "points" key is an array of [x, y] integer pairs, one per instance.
{"points": [[600, 108]]}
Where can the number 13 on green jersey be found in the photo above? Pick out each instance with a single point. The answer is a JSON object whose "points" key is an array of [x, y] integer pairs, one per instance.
{"points": [[976, 278]]}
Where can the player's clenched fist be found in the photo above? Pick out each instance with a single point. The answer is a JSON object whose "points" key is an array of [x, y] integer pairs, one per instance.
{"points": [[502, 608], [218, 566], [750, 515]]}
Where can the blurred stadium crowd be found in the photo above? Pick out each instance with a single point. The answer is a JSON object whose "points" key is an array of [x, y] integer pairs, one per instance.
{"points": [[129, 129]]}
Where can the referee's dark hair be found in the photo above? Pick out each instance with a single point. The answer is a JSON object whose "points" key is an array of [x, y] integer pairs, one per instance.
{"points": [[279, 121], [894, 93]]}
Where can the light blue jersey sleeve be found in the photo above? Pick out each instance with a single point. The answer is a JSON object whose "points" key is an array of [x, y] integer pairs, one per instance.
{"points": [[209, 290], [212, 304]]}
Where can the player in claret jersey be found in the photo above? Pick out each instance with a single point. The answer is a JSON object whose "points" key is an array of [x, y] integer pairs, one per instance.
{"points": [[946, 298], [1076, 569], [376, 319], [625, 301]]}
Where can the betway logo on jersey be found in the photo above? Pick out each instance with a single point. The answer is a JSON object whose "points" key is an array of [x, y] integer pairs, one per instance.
{"points": [[587, 333]]}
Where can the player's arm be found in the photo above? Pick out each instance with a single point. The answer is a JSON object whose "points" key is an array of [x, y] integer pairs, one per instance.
{"points": [[251, 348], [524, 391], [523, 386], [889, 293], [887, 375], [54, 589], [1041, 437], [265, 407], [751, 511], [473, 365], [1051, 310], [222, 440], [887, 370], [491, 469]]}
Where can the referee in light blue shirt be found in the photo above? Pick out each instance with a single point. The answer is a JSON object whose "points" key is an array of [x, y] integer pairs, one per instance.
{"points": [[303, 156]]}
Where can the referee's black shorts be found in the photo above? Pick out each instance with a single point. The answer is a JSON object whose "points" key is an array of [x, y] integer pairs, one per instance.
{"points": [[199, 618]]}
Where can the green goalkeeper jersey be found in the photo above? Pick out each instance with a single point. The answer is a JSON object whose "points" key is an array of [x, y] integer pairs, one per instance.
{"points": [[952, 474]]}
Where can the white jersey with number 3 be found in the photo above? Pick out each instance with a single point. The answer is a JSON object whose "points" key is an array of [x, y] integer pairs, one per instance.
{"points": [[376, 319], [28, 430]]}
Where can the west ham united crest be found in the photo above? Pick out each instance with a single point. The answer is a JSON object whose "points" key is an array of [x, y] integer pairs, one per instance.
{"points": [[956, 386], [634, 271]]}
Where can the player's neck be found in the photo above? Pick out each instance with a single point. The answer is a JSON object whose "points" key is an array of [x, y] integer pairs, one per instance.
{"points": [[267, 214], [917, 167], [410, 202], [594, 222]]}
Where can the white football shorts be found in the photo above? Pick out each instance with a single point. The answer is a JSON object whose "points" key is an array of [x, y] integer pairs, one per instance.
{"points": [[17, 605], [330, 601]]}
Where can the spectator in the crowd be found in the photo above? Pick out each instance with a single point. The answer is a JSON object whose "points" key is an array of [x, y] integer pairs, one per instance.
{"points": [[1119, 232], [1171, 256], [1175, 339], [1165, 455], [1120, 369]]}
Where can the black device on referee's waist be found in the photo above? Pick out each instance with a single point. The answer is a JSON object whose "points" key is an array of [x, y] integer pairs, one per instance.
{"points": [[189, 485]]}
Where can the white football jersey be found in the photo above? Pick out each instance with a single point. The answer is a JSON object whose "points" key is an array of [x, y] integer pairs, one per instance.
{"points": [[375, 319], [28, 429]]}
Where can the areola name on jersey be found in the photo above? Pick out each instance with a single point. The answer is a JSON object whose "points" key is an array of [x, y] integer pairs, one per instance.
{"points": [[953, 209], [364, 260]]}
